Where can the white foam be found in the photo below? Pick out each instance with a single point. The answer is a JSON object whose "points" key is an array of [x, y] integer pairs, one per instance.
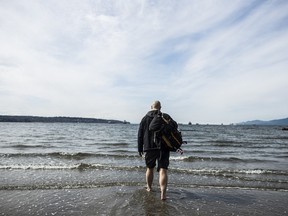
{"points": [[181, 158], [217, 171], [37, 167]]}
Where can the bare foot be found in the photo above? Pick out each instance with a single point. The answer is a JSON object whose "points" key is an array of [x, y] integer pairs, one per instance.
{"points": [[163, 195], [149, 189]]}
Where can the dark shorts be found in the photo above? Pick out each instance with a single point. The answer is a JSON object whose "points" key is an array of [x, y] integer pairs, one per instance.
{"points": [[162, 158]]}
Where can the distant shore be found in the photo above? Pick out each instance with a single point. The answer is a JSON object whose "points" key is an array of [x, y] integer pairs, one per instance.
{"points": [[58, 119]]}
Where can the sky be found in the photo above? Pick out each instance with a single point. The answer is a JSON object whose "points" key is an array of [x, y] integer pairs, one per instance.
{"points": [[208, 61]]}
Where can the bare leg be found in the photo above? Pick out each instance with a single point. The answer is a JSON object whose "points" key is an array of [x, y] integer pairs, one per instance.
{"points": [[149, 178], [163, 180]]}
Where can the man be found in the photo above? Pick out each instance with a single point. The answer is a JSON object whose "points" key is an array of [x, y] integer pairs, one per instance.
{"points": [[149, 142]]}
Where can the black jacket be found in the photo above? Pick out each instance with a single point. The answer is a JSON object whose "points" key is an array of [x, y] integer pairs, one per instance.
{"points": [[146, 133]]}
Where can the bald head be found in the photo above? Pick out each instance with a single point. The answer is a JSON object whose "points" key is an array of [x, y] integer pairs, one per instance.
{"points": [[156, 105]]}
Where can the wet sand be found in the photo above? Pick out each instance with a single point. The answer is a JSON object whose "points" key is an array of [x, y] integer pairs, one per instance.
{"points": [[135, 200]]}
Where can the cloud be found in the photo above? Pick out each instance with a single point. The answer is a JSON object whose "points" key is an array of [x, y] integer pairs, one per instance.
{"points": [[207, 62]]}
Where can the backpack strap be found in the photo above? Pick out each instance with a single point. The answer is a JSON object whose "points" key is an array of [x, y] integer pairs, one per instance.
{"points": [[165, 120]]}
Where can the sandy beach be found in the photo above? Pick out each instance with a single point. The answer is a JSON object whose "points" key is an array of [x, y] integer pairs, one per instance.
{"points": [[135, 200]]}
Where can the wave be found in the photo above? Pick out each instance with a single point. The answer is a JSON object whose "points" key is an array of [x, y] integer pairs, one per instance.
{"points": [[230, 172], [218, 159], [282, 156], [224, 142], [68, 186], [57, 186], [265, 185], [91, 166], [125, 154], [80, 166], [22, 146], [275, 137], [70, 156], [110, 144], [228, 144]]}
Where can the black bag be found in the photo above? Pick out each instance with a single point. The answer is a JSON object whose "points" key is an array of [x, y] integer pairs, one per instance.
{"points": [[166, 135], [171, 137]]}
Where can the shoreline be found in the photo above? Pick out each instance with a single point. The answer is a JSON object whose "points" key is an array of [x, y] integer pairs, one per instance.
{"points": [[56, 119], [135, 200]]}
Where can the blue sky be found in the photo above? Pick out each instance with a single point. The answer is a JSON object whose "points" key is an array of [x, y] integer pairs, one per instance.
{"points": [[207, 61]]}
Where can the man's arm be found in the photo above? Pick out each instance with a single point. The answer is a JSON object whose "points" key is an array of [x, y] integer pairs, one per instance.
{"points": [[140, 139]]}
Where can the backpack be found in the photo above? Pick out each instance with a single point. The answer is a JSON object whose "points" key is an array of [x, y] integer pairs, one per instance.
{"points": [[171, 137]]}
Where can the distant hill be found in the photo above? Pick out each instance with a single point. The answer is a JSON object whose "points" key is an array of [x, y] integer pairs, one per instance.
{"points": [[8, 118], [282, 122]]}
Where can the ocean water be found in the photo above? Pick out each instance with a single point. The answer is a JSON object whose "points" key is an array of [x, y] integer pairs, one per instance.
{"points": [[62, 163]]}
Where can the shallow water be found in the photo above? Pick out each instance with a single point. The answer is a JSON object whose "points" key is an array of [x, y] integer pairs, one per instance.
{"points": [[131, 200], [40, 160]]}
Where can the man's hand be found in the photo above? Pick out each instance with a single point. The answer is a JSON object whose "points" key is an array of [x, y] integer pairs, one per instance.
{"points": [[141, 154]]}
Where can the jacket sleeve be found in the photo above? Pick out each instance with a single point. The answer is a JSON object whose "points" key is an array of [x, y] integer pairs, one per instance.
{"points": [[140, 137]]}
